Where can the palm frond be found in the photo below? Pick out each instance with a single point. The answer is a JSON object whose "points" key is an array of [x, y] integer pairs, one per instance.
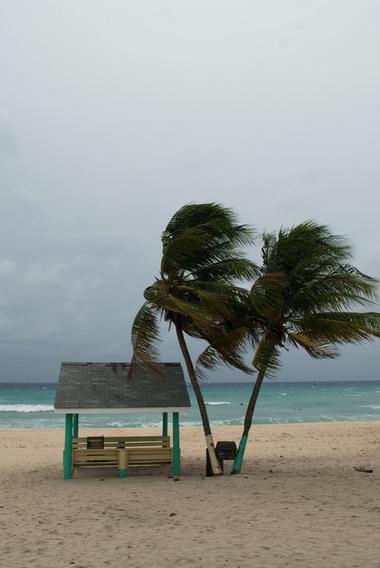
{"points": [[268, 294], [226, 347], [306, 289], [267, 357], [314, 348], [202, 234], [341, 288], [145, 337], [227, 270], [366, 320], [207, 361], [340, 327], [164, 297], [302, 249], [213, 217]]}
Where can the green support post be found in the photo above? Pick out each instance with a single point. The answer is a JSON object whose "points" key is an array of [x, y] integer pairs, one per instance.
{"points": [[176, 466], [236, 468], [165, 424], [76, 426], [68, 452]]}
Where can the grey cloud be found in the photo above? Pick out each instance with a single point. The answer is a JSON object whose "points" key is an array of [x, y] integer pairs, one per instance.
{"points": [[8, 143], [111, 119]]}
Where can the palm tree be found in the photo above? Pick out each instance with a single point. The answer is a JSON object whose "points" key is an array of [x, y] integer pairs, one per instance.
{"points": [[303, 297], [196, 291]]}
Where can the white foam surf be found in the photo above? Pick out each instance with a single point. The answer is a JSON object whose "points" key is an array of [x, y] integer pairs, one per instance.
{"points": [[212, 403], [26, 407]]}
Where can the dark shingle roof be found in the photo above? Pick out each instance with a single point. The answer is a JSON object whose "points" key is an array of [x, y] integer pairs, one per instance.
{"points": [[106, 386]]}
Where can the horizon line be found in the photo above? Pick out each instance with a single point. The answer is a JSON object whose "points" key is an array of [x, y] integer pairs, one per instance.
{"points": [[269, 381]]}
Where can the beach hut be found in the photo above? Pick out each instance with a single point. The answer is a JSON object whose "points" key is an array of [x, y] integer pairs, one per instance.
{"points": [[104, 388]]}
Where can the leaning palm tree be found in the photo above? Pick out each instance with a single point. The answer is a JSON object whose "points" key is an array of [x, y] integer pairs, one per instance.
{"points": [[303, 297], [196, 292]]}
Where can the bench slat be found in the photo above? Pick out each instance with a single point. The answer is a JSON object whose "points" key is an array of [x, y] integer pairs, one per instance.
{"points": [[115, 444], [128, 439], [109, 456], [100, 464], [127, 442]]}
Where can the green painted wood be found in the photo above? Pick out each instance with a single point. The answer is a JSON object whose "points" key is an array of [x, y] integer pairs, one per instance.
{"points": [[68, 452], [123, 472], [236, 468], [165, 424], [76, 426], [176, 464]]}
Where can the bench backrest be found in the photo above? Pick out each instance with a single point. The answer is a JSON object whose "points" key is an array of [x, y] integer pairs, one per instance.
{"points": [[114, 442]]}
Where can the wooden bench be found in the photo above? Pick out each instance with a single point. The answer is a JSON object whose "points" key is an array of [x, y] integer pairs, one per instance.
{"points": [[123, 452]]}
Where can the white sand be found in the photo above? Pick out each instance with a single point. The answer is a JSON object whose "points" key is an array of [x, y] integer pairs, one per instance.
{"points": [[298, 502]]}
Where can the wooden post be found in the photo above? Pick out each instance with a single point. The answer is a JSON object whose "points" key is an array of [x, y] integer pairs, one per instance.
{"points": [[68, 452], [76, 426], [164, 425], [176, 465], [122, 462]]}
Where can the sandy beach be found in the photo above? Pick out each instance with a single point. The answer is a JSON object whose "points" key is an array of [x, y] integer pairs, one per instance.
{"points": [[298, 502]]}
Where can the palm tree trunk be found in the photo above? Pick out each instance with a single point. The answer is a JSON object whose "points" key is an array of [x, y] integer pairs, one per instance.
{"points": [[236, 468], [201, 403]]}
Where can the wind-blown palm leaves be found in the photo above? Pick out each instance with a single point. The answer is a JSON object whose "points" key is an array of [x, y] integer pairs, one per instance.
{"points": [[303, 297], [196, 292]]}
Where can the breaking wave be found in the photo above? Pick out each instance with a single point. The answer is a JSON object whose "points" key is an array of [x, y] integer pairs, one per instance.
{"points": [[26, 407]]}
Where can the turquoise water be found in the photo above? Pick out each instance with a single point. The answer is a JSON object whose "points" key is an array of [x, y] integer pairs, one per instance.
{"points": [[31, 405]]}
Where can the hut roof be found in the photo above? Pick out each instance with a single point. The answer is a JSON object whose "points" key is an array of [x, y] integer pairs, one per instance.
{"points": [[105, 387]]}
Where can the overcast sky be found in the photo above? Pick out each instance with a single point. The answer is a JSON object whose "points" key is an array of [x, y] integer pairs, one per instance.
{"points": [[114, 114]]}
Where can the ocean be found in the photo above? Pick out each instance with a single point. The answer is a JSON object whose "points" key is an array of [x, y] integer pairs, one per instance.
{"points": [[30, 405]]}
